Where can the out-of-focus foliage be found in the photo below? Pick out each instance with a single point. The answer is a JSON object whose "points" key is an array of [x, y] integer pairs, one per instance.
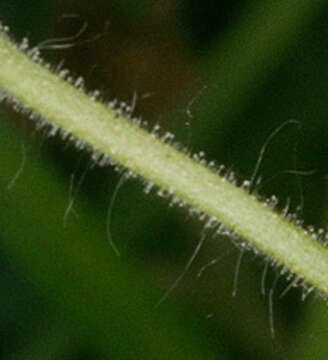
{"points": [[220, 75]]}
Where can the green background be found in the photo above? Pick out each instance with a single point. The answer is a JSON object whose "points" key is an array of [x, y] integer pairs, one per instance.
{"points": [[222, 76]]}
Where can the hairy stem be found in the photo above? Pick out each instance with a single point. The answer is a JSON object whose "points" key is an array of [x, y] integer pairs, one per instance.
{"points": [[64, 106]]}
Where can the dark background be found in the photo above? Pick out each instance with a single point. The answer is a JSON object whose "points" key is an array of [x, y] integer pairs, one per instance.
{"points": [[222, 76]]}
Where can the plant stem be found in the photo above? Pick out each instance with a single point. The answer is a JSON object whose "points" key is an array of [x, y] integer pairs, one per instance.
{"points": [[64, 106]]}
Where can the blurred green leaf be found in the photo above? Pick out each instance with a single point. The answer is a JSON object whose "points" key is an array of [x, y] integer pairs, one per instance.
{"points": [[110, 302]]}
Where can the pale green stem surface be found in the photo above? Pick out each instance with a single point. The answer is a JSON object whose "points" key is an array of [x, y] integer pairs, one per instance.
{"points": [[63, 105]]}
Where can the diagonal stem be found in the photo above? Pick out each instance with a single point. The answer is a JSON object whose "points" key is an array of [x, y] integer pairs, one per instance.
{"points": [[105, 131]]}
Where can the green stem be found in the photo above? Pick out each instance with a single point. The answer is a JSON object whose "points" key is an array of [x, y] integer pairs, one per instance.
{"points": [[64, 106]]}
